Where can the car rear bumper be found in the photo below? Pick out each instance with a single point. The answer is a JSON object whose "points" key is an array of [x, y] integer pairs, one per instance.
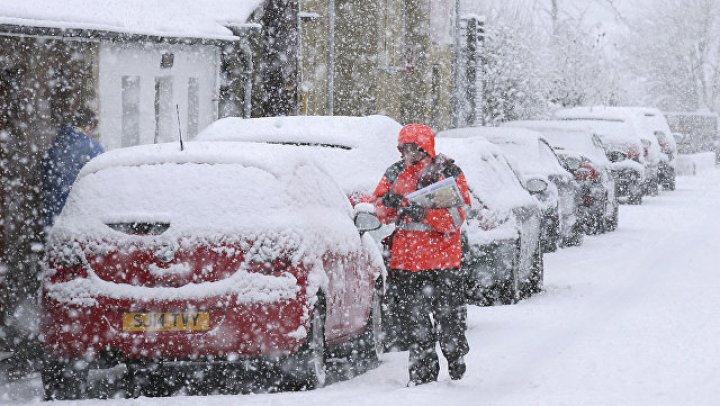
{"points": [[234, 330]]}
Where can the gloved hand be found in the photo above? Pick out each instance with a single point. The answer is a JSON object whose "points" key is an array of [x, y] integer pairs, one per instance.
{"points": [[392, 199], [413, 212]]}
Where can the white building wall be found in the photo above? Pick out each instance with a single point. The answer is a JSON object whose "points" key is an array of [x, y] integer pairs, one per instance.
{"points": [[133, 110]]}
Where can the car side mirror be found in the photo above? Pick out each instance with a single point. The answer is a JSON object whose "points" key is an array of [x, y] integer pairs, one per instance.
{"points": [[536, 185], [616, 156], [365, 222]]}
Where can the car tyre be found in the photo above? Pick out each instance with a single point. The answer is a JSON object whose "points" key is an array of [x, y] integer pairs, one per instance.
{"points": [[372, 345], [64, 380], [305, 370], [553, 236], [612, 223], [537, 277], [635, 200], [145, 378], [509, 291]]}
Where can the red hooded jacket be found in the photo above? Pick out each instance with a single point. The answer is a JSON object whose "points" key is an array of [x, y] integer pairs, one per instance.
{"points": [[434, 242]]}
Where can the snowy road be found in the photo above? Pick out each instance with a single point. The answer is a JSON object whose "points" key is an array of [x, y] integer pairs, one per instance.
{"points": [[630, 318]]}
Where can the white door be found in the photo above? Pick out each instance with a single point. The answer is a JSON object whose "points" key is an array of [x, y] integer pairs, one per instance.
{"points": [[145, 89]]}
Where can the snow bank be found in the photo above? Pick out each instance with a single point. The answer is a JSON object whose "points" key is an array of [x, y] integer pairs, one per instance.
{"points": [[694, 163], [177, 18]]}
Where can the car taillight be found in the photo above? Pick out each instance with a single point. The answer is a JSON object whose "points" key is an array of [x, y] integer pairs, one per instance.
{"points": [[633, 154], [586, 172]]}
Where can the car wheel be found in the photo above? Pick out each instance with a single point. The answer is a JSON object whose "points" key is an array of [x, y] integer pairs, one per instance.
{"points": [[654, 190], [64, 380], [595, 225], [537, 277], [145, 378], [550, 243], [574, 240], [371, 342], [509, 291], [635, 200], [305, 369], [613, 222]]}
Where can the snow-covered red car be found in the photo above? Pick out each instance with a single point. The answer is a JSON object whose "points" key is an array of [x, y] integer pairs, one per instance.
{"points": [[223, 253]]}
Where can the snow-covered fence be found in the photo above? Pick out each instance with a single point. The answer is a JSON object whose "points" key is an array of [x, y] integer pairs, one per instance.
{"points": [[693, 163]]}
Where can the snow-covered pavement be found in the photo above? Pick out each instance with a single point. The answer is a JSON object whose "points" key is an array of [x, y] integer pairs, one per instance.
{"points": [[629, 318]]}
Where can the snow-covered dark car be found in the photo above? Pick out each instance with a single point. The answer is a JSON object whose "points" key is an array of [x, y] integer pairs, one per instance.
{"points": [[503, 255], [623, 148], [542, 174], [594, 196], [582, 154], [221, 254], [658, 124]]}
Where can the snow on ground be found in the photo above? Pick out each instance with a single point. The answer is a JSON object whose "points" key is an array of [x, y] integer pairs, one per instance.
{"points": [[629, 318]]}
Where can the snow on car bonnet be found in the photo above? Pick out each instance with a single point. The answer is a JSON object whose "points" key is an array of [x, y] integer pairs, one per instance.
{"points": [[355, 150], [492, 181], [488, 175], [521, 147]]}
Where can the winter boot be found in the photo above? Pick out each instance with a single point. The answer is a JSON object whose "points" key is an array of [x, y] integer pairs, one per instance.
{"points": [[456, 368]]}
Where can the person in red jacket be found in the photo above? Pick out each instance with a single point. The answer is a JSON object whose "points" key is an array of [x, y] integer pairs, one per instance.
{"points": [[425, 255]]}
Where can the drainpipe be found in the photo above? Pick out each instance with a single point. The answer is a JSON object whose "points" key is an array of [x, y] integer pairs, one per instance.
{"points": [[331, 58], [245, 32], [456, 69], [246, 50]]}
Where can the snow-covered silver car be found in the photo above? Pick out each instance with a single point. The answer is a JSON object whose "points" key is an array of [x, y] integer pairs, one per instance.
{"points": [[503, 255], [542, 174]]}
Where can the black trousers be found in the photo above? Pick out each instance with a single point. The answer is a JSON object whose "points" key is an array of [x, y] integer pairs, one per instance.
{"points": [[415, 297]]}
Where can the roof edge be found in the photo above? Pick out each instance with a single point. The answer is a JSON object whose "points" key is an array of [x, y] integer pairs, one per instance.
{"points": [[14, 30]]}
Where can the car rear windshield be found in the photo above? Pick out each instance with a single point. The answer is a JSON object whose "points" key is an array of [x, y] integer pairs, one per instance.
{"points": [[202, 196]]}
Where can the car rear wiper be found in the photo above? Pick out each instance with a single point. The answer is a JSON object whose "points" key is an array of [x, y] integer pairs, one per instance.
{"points": [[140, 228]]}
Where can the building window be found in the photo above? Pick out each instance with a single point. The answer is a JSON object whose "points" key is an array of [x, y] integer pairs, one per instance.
{"points": [[193, 107], [130, 111], [163, 109]]}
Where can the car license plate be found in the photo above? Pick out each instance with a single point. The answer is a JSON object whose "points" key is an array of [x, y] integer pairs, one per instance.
{"points": [[166, 321]]}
